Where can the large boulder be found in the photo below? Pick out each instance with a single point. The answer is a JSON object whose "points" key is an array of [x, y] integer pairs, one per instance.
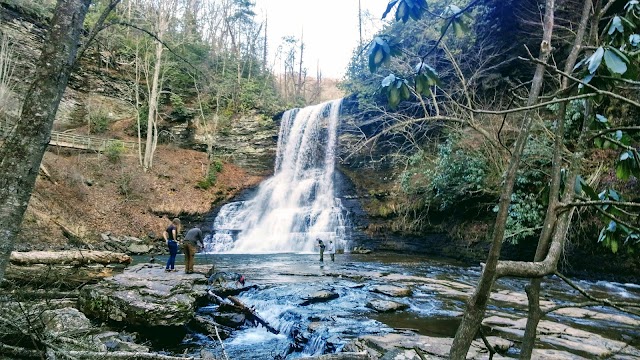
{"points": [[145, 295]]}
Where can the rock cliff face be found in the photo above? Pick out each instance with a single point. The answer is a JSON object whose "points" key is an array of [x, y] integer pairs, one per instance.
{"points": [[90, 88], [24, 35], [249, 141]]}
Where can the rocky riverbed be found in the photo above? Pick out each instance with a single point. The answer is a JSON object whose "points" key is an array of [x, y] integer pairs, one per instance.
{"points": [[360, 307]]}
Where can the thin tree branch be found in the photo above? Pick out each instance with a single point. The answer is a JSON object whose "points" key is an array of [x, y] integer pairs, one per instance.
{"points": [[532, 107], [598, 203], [492, 350], [610, 130], [611, 217], [568, 306], [588, 304], [628, 81], [404, 123]]}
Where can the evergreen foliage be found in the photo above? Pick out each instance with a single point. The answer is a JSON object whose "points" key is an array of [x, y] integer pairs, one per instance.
{"points": [[412, 67]]}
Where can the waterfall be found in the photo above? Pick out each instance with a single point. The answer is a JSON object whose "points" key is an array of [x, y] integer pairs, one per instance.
{"points": [[297, 205]]}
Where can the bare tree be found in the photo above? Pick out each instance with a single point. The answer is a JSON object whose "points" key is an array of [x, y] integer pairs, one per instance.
{"points": [[163, 13]]}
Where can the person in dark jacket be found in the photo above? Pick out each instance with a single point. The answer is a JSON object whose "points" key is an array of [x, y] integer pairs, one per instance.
{"points": [[171, 239], [192, 240], [321, 246]]}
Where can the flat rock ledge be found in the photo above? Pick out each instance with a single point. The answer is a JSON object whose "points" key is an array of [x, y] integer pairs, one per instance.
{"points": [[582, 344], [145, 295], [411, 346]]}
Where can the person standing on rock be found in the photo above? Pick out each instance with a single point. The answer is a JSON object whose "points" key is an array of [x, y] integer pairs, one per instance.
{"points": [[192, 240], [331, 250], [171, 238], [321, 246]]}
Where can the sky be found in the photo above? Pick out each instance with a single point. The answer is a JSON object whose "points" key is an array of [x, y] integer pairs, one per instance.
{"points": [[330, 29]]}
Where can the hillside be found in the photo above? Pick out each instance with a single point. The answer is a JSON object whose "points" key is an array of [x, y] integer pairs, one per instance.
{"points": [[87, 194]]}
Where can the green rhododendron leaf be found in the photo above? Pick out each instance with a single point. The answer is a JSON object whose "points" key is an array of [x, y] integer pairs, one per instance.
{"points": [[614, 63], [390, 6], [616, 25], [594, 60]]}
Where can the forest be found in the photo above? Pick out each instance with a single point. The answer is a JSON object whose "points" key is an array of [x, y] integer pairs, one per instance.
{"points": [[507, 127]]}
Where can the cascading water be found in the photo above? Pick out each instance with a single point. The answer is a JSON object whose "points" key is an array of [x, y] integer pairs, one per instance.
{"points": [[297, 205]]}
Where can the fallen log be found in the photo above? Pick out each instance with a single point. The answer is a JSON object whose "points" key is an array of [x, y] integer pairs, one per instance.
{"points": [[62, 276], [217, 299], [252, 314], [69, 257]]}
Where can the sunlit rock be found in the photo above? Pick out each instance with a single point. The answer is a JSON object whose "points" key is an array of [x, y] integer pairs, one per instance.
{"points": [[390, 290]]}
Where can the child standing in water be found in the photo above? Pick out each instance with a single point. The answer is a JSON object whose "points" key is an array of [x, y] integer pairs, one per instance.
{"points": [[171, 238], [331, 250]]}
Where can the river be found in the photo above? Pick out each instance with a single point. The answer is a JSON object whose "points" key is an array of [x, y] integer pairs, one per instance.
{"points": [[284, 280]]}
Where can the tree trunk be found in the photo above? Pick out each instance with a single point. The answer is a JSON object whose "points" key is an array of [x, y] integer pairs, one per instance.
{"points": [[533, 290], [264, 50], [22, 152], [152, 133], [164, 14], [360, 26], [299, 91], [477, 303]]}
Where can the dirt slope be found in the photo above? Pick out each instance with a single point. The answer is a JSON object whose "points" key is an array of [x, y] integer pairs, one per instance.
{"points": [[86, 194]]}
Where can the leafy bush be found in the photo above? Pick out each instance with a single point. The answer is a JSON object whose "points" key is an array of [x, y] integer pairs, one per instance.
{"points": [[573, 118], [528, 201], [526, 213], [179, 108], [98, 122], [212, 177], [208, 181], [216, 165], [114, 151], [457, 174]]}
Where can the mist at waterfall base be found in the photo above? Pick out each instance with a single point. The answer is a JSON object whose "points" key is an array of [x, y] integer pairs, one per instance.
{"points": [[297, 205]]}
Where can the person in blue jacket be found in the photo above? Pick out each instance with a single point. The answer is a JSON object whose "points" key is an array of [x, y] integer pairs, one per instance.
{"points": [[171, 238]]}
